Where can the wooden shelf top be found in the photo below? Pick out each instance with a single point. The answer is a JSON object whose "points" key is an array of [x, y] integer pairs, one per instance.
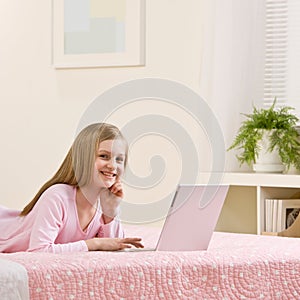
{"points": [[254, 179]]}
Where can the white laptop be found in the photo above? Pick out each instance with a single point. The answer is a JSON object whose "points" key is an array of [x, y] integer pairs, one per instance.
{"points": [[191, 219]]}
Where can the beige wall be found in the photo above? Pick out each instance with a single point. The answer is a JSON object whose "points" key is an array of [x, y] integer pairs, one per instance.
{"points": [[40, 106], [239, 211]]}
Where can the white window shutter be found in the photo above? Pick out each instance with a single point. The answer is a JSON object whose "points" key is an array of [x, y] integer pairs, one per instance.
{"points": [[282, 55]]}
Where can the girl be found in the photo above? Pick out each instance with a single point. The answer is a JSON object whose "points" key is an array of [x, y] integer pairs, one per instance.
{"points": [[76, 209]]}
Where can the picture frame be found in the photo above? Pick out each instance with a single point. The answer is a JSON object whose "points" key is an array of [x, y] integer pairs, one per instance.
{"points": [[277, 212], [288, 205], [81, 40]]}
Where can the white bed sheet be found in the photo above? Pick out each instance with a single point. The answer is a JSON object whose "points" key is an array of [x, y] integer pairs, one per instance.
{"points": [[13, 281]]}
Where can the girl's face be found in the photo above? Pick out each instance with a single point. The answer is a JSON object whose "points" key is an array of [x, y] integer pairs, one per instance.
{"points": [[109, 162]]}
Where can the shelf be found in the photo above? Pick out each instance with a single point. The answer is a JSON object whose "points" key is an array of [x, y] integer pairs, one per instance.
{"points": [[256, 179], [254, 188]]}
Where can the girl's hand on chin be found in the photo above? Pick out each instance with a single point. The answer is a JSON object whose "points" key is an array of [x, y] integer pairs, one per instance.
{"points": [[110, 199], [117, 188]]}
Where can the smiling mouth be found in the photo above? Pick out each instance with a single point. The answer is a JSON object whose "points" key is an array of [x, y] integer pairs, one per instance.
{"points": [[108, 175]]}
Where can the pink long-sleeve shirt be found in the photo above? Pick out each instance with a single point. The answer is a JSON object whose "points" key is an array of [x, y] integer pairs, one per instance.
{"points": [[52, 225]]}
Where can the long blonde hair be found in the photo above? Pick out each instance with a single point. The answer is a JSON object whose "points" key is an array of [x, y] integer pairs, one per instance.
{"points": [[76, 169]]}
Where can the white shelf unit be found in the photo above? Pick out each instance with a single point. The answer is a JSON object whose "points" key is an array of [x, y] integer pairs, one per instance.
{"points": [[267, 185]]}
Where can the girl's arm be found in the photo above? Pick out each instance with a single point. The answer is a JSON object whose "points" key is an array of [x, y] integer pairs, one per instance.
{"points": [[113, 228], [110, 199], [50, 218], [49, 221], [112, 244], [111, 237]]}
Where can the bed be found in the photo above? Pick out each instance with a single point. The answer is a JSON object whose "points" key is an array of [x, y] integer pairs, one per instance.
{"points": [[13, 281], [236, 266]]}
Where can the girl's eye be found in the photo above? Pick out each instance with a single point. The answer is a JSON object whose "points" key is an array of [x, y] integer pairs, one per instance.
{"points": [[103, 156], [120, 159]]}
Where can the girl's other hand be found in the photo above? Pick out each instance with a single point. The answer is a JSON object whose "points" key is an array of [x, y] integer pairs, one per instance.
{"points": [[113, 244]]}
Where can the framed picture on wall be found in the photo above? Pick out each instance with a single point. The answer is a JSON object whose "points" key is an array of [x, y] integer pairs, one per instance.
{"points": [[98, 33]]}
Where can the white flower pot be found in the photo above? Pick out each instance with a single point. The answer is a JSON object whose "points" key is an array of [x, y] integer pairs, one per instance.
{"points": [[268, 162]]}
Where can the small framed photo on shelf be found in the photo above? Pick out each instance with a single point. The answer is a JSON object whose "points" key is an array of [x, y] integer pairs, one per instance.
{"points": [[280, 214], [290, 211]]}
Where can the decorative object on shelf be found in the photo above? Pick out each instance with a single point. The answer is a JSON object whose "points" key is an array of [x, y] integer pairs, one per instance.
{"points": [[280, 214], [269, 140], [293, 230]]}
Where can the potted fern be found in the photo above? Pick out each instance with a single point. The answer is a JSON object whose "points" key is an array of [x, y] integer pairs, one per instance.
{"points": [[268, 140]]}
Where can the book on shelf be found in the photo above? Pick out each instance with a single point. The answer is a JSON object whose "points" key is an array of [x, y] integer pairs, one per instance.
{"points": [[280, 213]]}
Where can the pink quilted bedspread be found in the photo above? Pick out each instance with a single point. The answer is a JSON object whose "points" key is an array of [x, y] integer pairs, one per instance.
{"points": [[236, 266]]}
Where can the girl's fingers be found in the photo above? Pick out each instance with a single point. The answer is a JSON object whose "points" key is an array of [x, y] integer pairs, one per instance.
{"points": [[116, 188], [136, 242], [123, 246], [129, 240]]}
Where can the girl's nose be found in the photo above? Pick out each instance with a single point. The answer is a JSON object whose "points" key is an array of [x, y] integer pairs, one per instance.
{"points": [[111, 164]]}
